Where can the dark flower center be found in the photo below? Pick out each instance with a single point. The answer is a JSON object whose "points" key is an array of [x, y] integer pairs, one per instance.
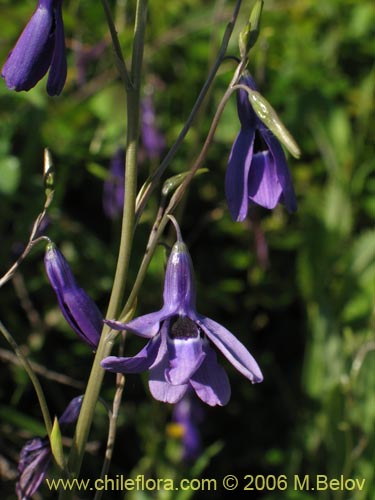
{"points": [[182, 327], [259, 143]]}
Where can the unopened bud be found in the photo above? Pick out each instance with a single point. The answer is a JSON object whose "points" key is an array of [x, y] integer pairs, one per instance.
{"points": [[79, 310], [171, 184], [269, 117], [250, 33], [48, 170]]}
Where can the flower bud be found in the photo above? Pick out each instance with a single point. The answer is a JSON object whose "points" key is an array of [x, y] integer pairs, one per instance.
{"points": [[249, 35], [269, 117], [41, 46], [77, 307]]}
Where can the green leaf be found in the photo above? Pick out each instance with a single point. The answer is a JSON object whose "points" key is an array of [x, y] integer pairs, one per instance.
{"points": [[56, 445]]}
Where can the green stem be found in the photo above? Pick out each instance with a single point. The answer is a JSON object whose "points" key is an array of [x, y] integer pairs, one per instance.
{"points": [[106, 341], [120, 384], [119, 58]]}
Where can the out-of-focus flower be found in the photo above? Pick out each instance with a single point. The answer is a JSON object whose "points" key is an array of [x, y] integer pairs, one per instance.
{"points": [[152, 139], [84, 55], [179, 354], [40, 46], [36, 455], [79, 310], [257, 168], [187, 413], [113, 190]]}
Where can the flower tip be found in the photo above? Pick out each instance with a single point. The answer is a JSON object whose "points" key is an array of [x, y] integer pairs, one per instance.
{"points": [[179, 247], [50, 247], [257, 379], [115, 325]]}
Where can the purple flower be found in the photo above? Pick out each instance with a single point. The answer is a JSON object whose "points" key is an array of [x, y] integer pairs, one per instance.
{"points": [[36, 455], [257, 168], [113, 190], [77, 307], [40, 46], [34, 461], [179, 354], [153, 141], [188, 414]]}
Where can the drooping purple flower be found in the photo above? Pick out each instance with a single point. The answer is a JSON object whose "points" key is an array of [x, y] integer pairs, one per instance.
{"points": [[188, 414], [113, 190], [36, 455], [152, 139], [179, 354], [40, 46], [34, 462], [79, 310], [257, 168]]}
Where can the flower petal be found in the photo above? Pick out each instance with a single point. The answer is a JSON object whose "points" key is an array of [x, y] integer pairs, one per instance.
{"points": [[135, 364], [58, 269], [264, 186], [71, 412], [185, 357], [32, 467], [144, 326], [79, 310], [58, 69], [159, 387], [210, 381], [236, 185], [82, 315], [245, 111], [232, 349], [179, 284], [29, 60], [283, 174]]}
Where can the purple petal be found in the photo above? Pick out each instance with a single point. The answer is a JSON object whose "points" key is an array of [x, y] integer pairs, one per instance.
{"points": [[210, 381], [29, 60], [159, 387], [76, 306], [263, 183], [185, 357], [82, 315], [282, 170], [135, 364], [57, 268], [34, 461], [232, 349], [245, 111], [71, 412], [237, 172], [144, 326], [58, 69], [179, 285]]}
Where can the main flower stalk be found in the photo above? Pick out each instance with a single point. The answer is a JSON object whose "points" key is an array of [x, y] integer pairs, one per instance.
{"points": [[106, 341]]}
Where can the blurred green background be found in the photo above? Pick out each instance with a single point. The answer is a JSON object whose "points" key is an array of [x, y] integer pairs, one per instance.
{"points": [[297, 290]]}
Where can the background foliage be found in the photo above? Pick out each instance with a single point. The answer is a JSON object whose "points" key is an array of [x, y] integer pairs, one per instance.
{"points": [[297, 290]]}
